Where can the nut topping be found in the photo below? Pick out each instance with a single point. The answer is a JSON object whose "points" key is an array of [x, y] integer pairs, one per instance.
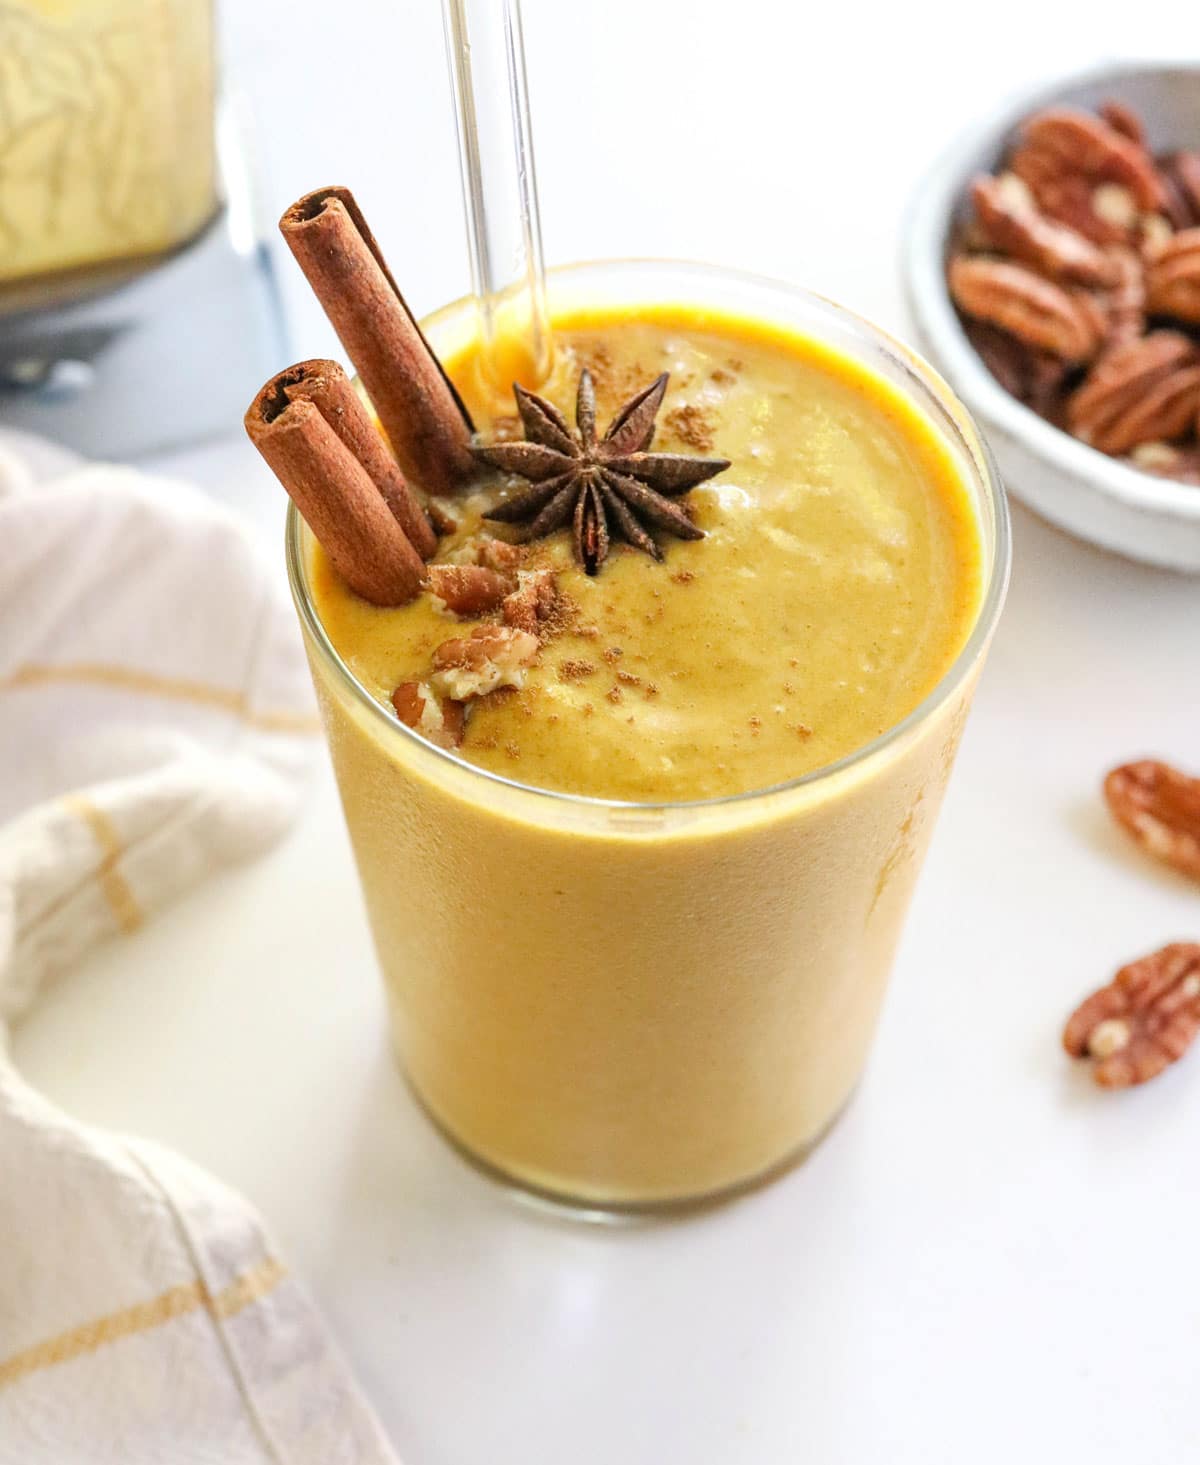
{"points": [[442, 722], [1143, 1021], [1160, 807], [490, 657], [534, 604], [467, 590]]}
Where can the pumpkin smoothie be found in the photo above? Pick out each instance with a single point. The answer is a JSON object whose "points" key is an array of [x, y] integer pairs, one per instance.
{"points": [[671, 994]]}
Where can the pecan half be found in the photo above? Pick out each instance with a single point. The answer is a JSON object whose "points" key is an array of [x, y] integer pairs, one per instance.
{"points": [[467, 590], [1143, 1021], [1136, 393], [1160, 807], [1173, 277], [1068, 197], [1014, 224], [418, 706], [490, 657], [1036, 311], [1076, 142]]}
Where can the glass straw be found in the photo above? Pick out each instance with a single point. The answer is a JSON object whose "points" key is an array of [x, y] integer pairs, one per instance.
{"points": [[485, 49]]}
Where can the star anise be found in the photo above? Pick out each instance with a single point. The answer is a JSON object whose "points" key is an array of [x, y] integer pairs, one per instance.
{"points": [[604, 486]]}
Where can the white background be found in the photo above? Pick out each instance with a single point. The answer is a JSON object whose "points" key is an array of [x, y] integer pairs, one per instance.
{"points": [[989, 1260]]}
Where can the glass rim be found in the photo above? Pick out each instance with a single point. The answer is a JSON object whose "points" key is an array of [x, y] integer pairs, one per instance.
{"points": [[954, 416]]}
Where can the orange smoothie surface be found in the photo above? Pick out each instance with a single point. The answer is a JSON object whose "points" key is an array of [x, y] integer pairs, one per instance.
{"points": [[839, 577]]}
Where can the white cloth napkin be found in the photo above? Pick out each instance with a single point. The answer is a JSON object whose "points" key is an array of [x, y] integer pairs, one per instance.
{"points": [[155, 724]]}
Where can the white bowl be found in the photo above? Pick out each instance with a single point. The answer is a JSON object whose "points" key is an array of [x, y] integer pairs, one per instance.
{"points": [[1083, 491]]}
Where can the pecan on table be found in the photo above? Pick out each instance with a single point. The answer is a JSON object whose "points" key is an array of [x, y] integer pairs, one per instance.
{"points": [[1037, 311], [1160, 807], [1143, 1021], [1141, 392], [1173, 277]]}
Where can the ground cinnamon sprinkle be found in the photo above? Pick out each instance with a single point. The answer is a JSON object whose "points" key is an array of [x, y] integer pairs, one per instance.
{"points": [[614, 694], [512, 750], [613, 654], [804, 730], [575, 671], [755, 724], [721, 376], [615, 384], [651, 690], [683, 577], [693, 426]]}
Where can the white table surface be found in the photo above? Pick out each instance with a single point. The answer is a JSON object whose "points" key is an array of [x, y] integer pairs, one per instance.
{"points": [[989, 1259]]}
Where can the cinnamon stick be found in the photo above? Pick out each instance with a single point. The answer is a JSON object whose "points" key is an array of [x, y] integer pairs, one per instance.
{"points": [[329, 389], [422, 414], [337, 497]]}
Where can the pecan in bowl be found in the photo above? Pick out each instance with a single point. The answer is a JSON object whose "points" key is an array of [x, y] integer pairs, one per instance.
{"points": [[1091, 185], [1082, 247]]}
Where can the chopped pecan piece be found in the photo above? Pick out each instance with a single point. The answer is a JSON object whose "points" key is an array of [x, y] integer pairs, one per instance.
{"points": [[1139, 392], [1036, 311], [1160, 807], [498, 554], [1012, 221], [418, 706], [533, 605], [490, 657], [1173, 277], [1143, 1021], [468, 590], [440, 517]]}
